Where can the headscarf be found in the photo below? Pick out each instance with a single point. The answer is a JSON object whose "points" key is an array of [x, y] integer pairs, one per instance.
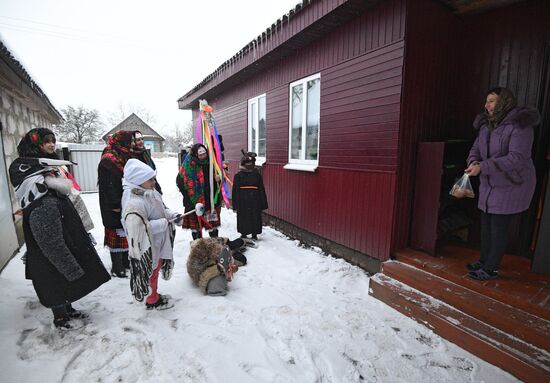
{"points": [[29, 146], [506, 102], [117, 152]]}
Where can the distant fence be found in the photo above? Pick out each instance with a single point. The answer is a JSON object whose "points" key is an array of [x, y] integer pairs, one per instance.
{"points": [[87, 158]]}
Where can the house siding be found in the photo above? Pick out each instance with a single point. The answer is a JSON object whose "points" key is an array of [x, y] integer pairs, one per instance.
{"points": [[350, 198]]}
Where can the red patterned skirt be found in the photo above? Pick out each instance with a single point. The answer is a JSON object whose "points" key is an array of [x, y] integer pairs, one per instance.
{"points": [[191, 221], [113, 241]]}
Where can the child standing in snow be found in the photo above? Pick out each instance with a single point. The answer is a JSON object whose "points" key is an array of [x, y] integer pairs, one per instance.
{"points": [[248, 197], [149, 227]]}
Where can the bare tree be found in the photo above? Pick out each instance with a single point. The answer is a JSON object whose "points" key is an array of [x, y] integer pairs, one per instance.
{"points": [[181, 135], [81, 125], [124, 110]]}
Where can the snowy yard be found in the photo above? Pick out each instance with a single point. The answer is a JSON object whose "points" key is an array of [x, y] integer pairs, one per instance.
{"points": [[292, 315]]}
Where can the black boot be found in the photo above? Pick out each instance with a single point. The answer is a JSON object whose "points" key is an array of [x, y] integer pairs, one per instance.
{"points": [[61, 318], [117, 268], [125, 260], [213, 233], [196, 234]]}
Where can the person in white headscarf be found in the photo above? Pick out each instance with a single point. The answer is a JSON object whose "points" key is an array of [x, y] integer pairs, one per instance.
{"points": [[149, 227]]}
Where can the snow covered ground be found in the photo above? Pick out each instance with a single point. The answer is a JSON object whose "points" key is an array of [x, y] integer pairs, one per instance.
{"points": [[292, 315]]}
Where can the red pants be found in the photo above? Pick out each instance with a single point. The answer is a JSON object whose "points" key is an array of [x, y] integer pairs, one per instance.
{"points": [[154, 282]]}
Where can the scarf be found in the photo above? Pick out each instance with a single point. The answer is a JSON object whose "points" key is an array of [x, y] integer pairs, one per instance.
{"points": [[506, 102], [191, 170], [31, 181], [117, 152]]}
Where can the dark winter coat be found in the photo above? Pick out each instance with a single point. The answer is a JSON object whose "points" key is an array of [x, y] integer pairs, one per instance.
{"points": [[61, 260], [249, 199], [507, 178], [110, 196], [203, 259]]}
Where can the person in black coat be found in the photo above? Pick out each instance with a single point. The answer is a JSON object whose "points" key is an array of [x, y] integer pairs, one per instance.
{"points": [[60, 260], [109, 178], [248, 197]]}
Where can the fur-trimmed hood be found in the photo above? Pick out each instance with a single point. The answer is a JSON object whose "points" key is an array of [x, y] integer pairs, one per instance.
{"points": [[522, 117]]}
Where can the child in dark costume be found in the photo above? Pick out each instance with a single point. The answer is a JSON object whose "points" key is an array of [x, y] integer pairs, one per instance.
{"points": [[248, 197]]}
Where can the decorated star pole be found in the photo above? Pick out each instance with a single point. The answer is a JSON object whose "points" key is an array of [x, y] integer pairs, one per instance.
{"points": [[207, 134]]}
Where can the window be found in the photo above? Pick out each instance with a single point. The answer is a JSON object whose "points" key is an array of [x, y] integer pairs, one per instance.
{"points": [[256, 127], [305, 107]]}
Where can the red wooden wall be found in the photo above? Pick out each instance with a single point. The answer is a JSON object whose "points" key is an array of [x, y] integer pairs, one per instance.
{"points": [[350, 198], [429, 89]]}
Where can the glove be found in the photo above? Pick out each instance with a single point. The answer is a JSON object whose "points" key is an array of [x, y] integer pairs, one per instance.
{"points": [[177, 220], [140, 272]]}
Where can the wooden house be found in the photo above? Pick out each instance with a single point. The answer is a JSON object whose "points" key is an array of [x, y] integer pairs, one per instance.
{"points": [[23, 106], [361, 114], [153, 141]]}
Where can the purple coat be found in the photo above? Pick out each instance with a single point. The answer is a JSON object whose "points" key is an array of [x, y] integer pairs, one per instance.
{"points": [[507, 178]]}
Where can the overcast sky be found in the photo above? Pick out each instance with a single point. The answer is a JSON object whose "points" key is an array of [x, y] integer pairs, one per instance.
{"points": [[102, 54]]}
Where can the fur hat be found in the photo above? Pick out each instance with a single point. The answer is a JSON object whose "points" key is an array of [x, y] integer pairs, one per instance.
{"points": [[248, 157]]}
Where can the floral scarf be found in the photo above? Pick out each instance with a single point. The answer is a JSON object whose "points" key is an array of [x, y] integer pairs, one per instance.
{"points": [[117, 152], [191, 170]]}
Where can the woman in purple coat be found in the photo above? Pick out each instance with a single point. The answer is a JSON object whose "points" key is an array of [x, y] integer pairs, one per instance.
{"points": [[501, 156]]}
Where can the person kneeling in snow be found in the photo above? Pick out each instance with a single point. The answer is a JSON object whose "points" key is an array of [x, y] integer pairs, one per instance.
{"points": [[149, 227], [211, 263]]}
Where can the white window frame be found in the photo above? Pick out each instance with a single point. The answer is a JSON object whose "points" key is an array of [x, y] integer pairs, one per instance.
{"points": [[302, 164], [254, 146]]}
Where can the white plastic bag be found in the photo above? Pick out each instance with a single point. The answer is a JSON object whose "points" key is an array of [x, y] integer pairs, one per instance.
{"points": [[463, 188]]}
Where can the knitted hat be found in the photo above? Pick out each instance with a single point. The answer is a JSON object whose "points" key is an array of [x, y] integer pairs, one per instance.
{"points": [[137, 172]]}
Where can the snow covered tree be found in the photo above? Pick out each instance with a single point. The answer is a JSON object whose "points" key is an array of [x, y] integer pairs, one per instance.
{"points": [[175, 140], [81, 125], [124, 110]]}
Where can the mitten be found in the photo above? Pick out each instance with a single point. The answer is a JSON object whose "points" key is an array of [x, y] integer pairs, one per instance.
{"points": [[217, 286], [166, 269]]}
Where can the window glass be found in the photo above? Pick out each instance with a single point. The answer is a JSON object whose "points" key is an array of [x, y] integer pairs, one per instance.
{"points": [[261, 127], [296, 123], [313, 113]]}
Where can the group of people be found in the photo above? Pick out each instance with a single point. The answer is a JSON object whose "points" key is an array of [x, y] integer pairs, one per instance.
{"points": [[61, 259], [64, 266]]}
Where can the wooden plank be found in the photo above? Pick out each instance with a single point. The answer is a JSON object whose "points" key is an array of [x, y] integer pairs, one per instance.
{"points": [[509, 319], [506, 352]]}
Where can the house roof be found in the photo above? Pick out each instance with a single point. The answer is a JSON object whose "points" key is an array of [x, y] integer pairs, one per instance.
{"points": [[287, 35], [17, 68], [133, 122]]}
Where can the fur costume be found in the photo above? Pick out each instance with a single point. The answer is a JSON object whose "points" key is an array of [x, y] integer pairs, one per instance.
{"points": [[207, 256]]}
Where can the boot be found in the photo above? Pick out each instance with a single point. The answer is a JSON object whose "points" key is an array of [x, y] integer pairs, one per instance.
{"points": [[213, 233], [125, 260], [196, 234], [61, 318], [117, 268]]}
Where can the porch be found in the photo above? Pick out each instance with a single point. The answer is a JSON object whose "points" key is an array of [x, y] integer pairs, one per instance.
{"points": [[505, 321]]}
